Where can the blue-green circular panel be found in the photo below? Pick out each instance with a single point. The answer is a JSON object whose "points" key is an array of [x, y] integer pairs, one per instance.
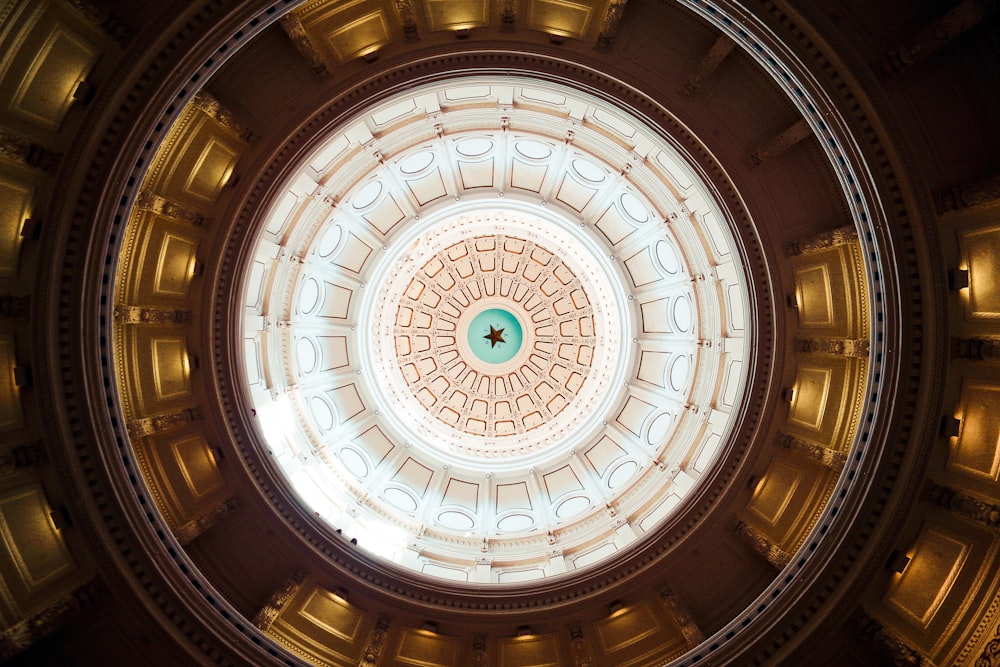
{"points": [[494, 336]]}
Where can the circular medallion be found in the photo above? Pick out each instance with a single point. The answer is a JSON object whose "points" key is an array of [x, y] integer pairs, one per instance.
{"points": [[494, 336]]}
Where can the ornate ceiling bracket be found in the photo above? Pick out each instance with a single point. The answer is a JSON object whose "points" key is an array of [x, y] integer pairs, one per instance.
{"points": [[708, 64], [609, 24], [293, 27]]}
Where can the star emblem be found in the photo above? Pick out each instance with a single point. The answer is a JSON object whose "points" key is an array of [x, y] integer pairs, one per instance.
{"points": [[494, 336]]}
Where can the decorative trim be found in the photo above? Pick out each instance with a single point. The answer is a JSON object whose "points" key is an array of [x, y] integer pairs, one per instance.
{"points": [[269, 613], [824, 241]]}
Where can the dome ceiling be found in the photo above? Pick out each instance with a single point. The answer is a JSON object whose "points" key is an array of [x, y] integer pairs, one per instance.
{"points": [[411, 340], [504, 340]]}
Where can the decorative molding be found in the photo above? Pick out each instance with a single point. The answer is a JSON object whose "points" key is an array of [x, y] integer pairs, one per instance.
{"points": [[981, 511], [841, 347], [824, 241], [14, 306], [963, 16], [682, 616], [762, 544], [300, 38], [62, 609], [376, 643], [148, 201], [891, 645], [479, 648], [269, 613], [151, 315], [990, 657], [970, 195], [207, 103], [144, 426], [721, 49], [404, 9], [22, 150], [98, 13], [508, 14], [977, 349], [609, 25], [796, 133], [22, 456], [191, 530], [830, 458], [580, 652]]}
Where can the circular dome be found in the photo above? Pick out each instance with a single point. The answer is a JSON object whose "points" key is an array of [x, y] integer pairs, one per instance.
{"points": [[504, 344]]}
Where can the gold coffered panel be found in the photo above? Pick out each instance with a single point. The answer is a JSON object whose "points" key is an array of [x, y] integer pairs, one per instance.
{"points": [[156, 368], [197, 161], [976, 450], [811, 393], [935, 562], [951, 573], [35, 554], [322, 626], [342, 31], [830, 291], [162, 254], [775, 491], [981, 250], [59, 61], [10, 395], [530, 651], [787, 498], [456, 14], [183, 473], [15, 208], [814, 294], [825, 398], [562, 18], [424, 648], [638, 635], [170, 367]]}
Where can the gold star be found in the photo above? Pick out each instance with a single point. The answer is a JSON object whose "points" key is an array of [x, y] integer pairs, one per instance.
{"points": [[494, 336]]}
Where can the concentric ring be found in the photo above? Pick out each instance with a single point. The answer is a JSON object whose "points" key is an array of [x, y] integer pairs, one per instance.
{"points": [[627, 286]]}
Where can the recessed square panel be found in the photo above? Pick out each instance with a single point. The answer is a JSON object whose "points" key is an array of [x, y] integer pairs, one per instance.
{"points": [[775, 490], [10, 397], [633, 627], [558, 17], [976, 452], [15, 206], [935, 562], [46, 91], [173, 266], [982, 248], [332, 614], [170, 367], [211, 171], [529, 651], [358, 37], [814, 296], [31, 539], [812, 389], [427, 649], [456, 14], [197, 466]]}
